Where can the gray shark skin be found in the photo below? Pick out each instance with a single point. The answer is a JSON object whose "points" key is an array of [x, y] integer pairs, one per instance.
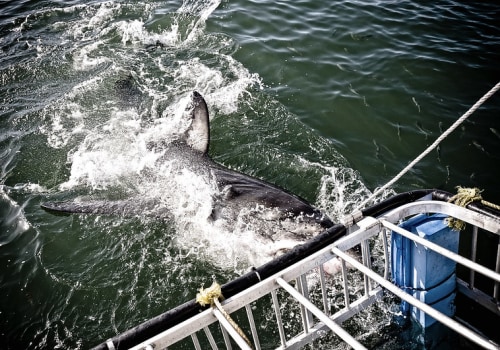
{"points": [[236, 189]]}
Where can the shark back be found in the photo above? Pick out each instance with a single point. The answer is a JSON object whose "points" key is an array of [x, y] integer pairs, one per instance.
{"points": [[237, 188], [240, 187]]}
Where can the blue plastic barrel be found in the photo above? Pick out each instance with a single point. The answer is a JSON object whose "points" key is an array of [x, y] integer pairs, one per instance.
{"points": [[421, 272]]}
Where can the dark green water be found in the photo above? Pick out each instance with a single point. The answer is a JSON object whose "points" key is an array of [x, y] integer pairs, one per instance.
{"points": [[327, 99]]}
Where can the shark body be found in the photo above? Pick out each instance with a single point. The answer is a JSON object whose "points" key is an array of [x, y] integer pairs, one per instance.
{"points": [[235, 189]]}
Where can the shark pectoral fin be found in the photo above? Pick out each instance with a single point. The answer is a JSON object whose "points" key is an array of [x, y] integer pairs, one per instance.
{"points": [[57, 208], [122, 208], [90, 207]]}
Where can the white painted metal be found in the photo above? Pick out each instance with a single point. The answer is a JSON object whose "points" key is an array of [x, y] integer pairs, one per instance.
{"points": [[443, 251], [232, 332], [320, 315], [375, 284], [415, 302]]}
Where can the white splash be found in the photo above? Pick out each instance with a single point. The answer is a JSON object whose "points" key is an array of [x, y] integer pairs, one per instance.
{"points": [[134, 32], [14, 217], [113, 146], [112, 152]]}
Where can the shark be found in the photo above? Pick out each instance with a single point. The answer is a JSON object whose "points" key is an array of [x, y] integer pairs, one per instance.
{"points": [[296, 218]]}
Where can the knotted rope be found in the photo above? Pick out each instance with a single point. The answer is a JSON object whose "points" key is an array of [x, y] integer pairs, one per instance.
{"points": [[463, 198], [210, 296]]}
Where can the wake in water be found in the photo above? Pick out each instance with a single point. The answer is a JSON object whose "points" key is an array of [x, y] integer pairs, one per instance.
{"points": [[113, 91], [88, 87], [136, 96]]}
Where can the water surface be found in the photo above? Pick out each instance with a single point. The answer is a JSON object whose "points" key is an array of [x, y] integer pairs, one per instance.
{"points": [[327, 99]]}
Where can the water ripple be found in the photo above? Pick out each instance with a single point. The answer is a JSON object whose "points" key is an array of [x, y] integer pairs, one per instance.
{"points": [[327, 99]]}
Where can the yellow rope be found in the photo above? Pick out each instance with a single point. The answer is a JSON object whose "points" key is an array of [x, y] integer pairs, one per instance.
{"points": [[464, 197], [210, 296], [491, 205]]}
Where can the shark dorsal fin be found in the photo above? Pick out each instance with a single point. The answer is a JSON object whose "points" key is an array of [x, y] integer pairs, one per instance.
{"points": [[198, 134]]}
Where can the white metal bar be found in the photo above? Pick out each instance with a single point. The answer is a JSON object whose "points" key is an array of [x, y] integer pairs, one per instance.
{"points": [[225, 336], [346, 285], [210, 338], [277, 312], [195, 340], [337, 329], [417, 303], [386, 253], [496, 287], [232, 332], [326, 308], [307, 320], [179, 331], [253, 328], [301, 340], [358, 305], [472, 273], [477, 296], [474, 218], [367, 228], [443, 251], [365, 254]]}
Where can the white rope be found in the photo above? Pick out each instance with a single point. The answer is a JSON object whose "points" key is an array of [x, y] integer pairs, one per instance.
{"points": [[434, 145]]}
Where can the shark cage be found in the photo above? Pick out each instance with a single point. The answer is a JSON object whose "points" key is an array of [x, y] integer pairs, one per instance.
{"points": [[403, 249]]}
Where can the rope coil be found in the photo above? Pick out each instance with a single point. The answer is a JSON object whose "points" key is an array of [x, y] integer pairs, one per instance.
{"points": [[210, 296]]}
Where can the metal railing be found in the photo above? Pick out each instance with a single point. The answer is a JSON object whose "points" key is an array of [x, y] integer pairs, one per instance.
{"points": [[299, 280]]}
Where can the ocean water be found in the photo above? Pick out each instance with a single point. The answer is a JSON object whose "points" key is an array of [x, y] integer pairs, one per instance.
{"points": [[329, 100]]}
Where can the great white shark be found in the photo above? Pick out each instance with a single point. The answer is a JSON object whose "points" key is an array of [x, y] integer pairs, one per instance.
{"points": [[296, 217]]}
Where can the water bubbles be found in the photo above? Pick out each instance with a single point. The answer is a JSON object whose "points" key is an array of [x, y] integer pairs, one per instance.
{"points": [[84, 60]]}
